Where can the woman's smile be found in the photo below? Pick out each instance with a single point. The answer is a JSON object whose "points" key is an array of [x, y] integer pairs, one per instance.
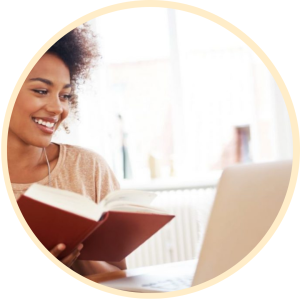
{"points": [[44, 99], [47, 125]]}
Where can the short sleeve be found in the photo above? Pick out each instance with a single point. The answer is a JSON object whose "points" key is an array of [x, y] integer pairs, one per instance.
{"points": [[105, 180]]}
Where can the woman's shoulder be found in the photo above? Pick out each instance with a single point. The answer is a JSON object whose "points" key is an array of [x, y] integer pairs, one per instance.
{"points": [[85, 172], [77, 152], [84, 157]]}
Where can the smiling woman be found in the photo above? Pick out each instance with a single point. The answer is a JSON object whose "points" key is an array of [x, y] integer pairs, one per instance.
{"points": [[43, 103]]}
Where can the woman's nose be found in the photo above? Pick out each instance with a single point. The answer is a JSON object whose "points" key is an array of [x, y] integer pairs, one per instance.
{"points": [[54, 105]]}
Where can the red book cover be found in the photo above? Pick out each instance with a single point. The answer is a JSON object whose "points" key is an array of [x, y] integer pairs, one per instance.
{"points": [[112, 238]]}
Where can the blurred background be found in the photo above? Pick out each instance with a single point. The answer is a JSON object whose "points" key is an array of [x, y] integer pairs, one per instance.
{"points": [[176, 99]]}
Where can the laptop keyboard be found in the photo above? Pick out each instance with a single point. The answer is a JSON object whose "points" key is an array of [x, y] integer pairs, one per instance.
{"points": [[173, 284]]}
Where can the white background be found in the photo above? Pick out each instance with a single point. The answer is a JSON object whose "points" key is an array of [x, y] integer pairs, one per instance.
{"points": [[26, 26]]}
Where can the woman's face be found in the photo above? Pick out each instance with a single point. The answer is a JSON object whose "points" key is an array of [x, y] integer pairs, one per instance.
{"points": [[43, 102]]}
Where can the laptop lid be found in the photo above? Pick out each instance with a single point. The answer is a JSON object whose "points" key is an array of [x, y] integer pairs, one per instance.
{"points": [[247, 202]]}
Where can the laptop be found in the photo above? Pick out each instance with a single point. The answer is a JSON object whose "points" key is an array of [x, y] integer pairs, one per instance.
{"points": [[247, 201]]}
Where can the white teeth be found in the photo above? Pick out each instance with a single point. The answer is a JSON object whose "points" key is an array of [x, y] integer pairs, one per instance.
{"points": [[47, 124]]}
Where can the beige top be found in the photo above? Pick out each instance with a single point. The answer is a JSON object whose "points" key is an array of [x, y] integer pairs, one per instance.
{"points": [[78, 170]]}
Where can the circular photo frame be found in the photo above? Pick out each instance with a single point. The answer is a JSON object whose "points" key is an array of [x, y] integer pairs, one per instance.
{"points": [[255, 48]]}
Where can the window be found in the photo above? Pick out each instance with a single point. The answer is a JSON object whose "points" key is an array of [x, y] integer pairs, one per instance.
{"points": [[176, 95]]}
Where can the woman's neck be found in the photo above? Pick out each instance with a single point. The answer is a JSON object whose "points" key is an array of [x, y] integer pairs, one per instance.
{"points": [[24, 156], [27, 163]]}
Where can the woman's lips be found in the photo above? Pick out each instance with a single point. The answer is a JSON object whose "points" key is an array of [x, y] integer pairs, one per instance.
{"points": [[44, 128]]}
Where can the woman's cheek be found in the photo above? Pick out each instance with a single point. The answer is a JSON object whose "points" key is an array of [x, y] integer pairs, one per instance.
{"points": [[65, 112]]}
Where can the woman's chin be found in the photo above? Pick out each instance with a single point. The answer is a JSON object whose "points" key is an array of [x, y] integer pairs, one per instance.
{"points": [[41, 143]]}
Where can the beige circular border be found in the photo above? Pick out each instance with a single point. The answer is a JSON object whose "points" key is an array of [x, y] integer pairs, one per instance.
{"points": [[260, 54]]}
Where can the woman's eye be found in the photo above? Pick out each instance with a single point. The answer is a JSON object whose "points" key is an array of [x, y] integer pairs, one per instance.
{"points": [[66, 97], [41, 92]]}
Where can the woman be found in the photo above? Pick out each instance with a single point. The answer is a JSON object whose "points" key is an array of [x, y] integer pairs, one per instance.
{"points": [[43, 104]]}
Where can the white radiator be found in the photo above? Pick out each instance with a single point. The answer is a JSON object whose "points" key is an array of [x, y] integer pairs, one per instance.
{"points": [[180, 239]]}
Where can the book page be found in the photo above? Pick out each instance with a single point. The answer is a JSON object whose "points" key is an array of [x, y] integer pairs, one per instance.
{"points": [[135, 208], [129, 197], [122, 200], [65, 200]]}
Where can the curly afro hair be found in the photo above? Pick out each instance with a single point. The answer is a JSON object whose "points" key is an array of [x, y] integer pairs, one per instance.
{"points": [[79, 51]]}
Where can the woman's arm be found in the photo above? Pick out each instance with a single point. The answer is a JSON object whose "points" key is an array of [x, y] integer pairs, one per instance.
{"points": [[85, 267]]}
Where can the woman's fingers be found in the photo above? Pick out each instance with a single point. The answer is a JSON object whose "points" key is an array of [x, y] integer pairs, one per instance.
{"points": [[71, 258], [58, 249]]}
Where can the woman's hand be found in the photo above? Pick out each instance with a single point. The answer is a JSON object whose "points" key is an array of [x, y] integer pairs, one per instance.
{"points": [[71, 258]]}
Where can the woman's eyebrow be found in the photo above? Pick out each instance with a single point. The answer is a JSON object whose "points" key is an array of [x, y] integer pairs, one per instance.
{"points": [[42, 80], [48, 82], [67, 86]]}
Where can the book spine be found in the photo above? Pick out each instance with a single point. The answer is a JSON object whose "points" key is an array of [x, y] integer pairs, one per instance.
{"points": [[79, 240], [102, 220]]}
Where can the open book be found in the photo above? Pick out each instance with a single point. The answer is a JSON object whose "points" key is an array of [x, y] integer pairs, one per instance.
{"points": [[110, 230]]}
